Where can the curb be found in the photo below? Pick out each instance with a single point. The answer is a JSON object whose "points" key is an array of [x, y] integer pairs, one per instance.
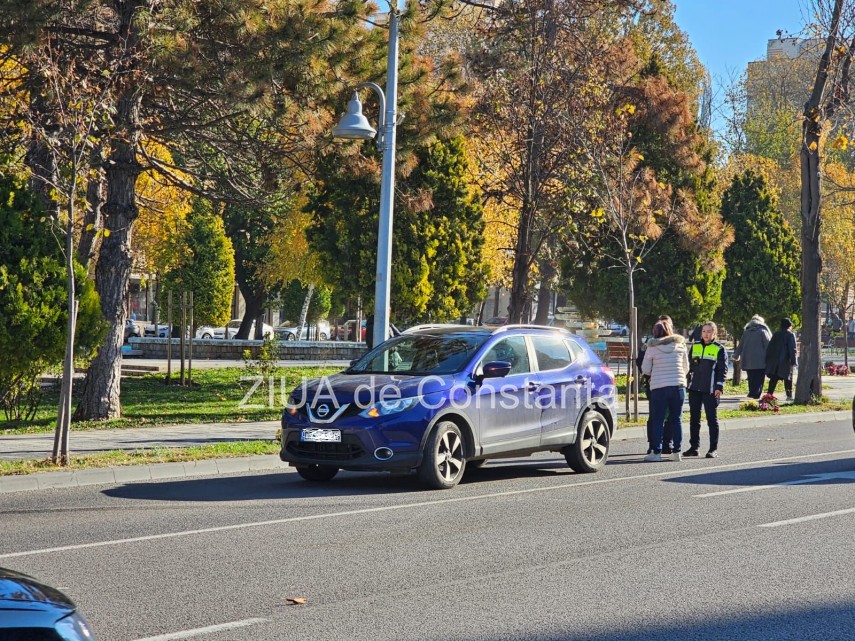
{"points": [[215, 467], [779, 420], [137, 473]]}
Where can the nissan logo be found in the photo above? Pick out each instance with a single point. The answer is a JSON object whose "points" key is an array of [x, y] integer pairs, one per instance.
{"points": [[322, 410]]}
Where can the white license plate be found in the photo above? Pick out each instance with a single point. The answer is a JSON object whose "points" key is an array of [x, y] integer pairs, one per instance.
{"points": [[321, 436]]}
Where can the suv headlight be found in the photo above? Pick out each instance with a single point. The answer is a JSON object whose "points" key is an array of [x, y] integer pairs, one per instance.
{"points": [[385, 408], [74, 628]]}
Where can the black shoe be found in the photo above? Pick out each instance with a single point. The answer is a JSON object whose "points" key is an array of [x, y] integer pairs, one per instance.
{"points": [[712, 454], [692, 451], [667, 450]]}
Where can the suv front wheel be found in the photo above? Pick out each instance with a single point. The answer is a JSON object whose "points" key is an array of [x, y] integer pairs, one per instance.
{"points": [[443, 462], [591, 449]]}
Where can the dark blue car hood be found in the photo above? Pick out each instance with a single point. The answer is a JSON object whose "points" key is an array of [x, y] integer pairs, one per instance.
{"points": [[368, 386], [21, 592]]}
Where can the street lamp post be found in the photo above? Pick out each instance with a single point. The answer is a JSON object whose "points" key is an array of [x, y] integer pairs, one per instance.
{"points": [[354, 125]]}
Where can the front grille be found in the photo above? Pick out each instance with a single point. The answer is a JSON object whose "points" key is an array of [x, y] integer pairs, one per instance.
{"points": [[348, 450]]}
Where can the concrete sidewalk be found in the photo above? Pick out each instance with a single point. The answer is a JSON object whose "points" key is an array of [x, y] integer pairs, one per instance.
{"points": [[38, 446]]}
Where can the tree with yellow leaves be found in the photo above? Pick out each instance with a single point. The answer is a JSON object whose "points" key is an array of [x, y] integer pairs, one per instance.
{"points": [[837, 280], [156, 245]]}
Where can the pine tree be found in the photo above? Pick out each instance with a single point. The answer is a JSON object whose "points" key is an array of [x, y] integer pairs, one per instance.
{"points": [[763, 261], [206, 267]]}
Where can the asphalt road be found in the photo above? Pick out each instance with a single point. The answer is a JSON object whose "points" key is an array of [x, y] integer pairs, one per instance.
{"points": [[754, 545]]}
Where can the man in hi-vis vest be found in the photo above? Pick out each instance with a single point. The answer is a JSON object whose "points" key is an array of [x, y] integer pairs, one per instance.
{"points": [[707, 371]]}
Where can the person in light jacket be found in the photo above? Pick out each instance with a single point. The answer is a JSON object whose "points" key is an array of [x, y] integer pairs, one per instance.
{"points": [[751, 353], [781, 358], [666, 362]]}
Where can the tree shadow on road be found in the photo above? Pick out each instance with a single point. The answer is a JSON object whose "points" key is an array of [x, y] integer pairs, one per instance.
{"points": [[837, 472]]}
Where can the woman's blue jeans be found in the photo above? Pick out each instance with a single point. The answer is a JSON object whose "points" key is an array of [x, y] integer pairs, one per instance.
{"points": [[667, 400]]}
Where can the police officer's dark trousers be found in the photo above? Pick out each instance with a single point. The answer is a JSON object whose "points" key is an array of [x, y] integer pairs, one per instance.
{"points": [[710, 404]]}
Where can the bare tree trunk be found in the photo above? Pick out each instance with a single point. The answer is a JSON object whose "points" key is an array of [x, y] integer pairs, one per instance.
{"points": [[845, 325], [63, 421], [520, 270], [544, 298], [304, 312], [809, 382], [737, 365], [101, 393], [819, 107], [631, 374]]}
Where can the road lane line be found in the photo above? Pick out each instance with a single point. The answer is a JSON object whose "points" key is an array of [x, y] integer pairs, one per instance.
{"points": [[211, 629], [754, 488], [810, 478], [812, 517], [677, 470]]}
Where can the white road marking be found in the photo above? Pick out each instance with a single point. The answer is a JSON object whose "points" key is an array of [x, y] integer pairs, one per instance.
{"points": [[187, 634], [812, 517], [811, 478], [677, 470]]}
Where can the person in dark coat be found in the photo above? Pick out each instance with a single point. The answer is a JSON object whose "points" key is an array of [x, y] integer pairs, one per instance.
{"points": [[781, 358], [707, 373], [751, 353]]}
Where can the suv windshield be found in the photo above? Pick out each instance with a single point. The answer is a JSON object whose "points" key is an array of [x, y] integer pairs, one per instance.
{"points": [[420, 354]]}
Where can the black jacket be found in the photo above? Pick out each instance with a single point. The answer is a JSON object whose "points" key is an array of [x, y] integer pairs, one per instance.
{"points": [[707, 367], [781, 354]]}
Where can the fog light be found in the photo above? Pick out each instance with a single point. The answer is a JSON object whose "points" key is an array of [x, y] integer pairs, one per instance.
{"points": [[383, 453]]}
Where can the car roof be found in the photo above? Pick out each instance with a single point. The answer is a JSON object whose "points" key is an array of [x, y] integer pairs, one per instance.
{"points": [[470, 329]]}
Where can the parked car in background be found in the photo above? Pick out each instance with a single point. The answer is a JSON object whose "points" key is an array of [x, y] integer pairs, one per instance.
{"points": [[132, 329], [36, 612], [346, 331], [162, 330], [206, 331], [288, 331], [439, 400], [618, 329]]}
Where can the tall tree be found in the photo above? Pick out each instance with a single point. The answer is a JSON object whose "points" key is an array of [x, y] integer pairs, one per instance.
{"points": [[837, 280], [763, 261], [191, 72], [206, 267], [830, 93], [540, 79]]}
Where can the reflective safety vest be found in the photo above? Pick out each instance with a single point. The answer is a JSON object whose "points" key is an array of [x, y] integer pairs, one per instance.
{"points": [[706, 352], [703, 361]]}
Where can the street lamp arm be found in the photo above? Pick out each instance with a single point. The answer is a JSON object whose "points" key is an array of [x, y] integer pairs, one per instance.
{"points": [[381, 120]]}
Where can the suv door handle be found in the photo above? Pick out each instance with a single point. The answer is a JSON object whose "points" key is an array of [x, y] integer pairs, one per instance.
{"points": [[580, 379], [533, 387]]}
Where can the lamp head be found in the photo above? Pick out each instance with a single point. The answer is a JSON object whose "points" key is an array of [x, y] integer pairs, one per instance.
{"points": [[353, 124]]}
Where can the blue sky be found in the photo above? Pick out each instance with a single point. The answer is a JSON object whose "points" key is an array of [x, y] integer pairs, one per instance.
{"points": [[728, 34]]}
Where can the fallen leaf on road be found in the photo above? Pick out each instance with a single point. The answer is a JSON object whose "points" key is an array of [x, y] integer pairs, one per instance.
{"points": [[297, 600]]}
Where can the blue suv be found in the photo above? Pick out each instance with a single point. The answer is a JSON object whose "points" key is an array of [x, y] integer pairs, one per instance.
{"points": [[439, 399]]}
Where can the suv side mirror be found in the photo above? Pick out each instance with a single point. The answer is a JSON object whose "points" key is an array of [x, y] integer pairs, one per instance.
{"points": [[496, 369]]}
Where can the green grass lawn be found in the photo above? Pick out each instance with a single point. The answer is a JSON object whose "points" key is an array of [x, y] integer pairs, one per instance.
{"points": [[214, 397], [143, 457]]}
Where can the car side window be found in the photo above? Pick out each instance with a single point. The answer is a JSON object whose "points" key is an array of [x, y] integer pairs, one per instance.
{"points": [[552, 353], [576, 351], [513, 350]]}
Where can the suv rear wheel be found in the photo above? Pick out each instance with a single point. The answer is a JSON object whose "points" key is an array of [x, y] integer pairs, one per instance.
{"points": [[443, 462], [591, 449], [317, 472]]}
